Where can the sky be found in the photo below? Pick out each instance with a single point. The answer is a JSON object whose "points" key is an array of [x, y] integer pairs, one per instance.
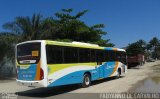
{"points": [[126, 21]]}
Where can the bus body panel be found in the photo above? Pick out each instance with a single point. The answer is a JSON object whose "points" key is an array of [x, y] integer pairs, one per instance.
{"points": [[29, 74], [44, 63], [67, 73], [74, 74]]}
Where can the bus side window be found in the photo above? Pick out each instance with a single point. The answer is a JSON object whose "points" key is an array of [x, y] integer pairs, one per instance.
{"points": [[93, 55], [54, 54], [99, 56], [124, 58], [106, 55], [121, 56], [74, 55], [67, 57], [112, 55], [118, 56], [70, 55], [84, 55]]}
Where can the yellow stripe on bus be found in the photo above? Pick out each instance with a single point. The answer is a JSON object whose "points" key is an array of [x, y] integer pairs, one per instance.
{"points": [[71, 45], [56, 67]]}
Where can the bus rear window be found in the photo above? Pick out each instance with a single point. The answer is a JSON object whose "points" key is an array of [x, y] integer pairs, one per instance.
{"points": [[28, 53]]}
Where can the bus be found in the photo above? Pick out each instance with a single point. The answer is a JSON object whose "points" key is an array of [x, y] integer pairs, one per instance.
{"points": [[46, 63]]}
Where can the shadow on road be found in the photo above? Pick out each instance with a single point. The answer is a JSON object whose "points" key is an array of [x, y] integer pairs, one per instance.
{"points": [[53, 91], [104, 80], [47, 92], [7, 77]]}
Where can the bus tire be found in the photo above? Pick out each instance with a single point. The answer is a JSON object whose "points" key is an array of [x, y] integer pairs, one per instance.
{"points": [[86, 80], [118, 73]]}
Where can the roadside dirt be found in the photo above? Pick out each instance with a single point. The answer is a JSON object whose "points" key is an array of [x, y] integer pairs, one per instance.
{"points": [[110, 85]]}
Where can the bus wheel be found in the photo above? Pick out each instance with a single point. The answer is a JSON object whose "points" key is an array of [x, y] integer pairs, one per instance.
{"points": [[118, 73], [86, 81]]}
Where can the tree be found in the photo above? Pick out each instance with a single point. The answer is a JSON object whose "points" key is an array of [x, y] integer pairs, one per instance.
{"points": [[152, 49], [7, 42], [153, 43], [63, 26], [154, 46], [28, 28], [136, 48]]}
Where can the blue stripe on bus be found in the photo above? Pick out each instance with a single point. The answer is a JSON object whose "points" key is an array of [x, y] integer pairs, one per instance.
{"points": [[27, 74], [71, 78], [108, 68], [108, 48], [103, 71]]}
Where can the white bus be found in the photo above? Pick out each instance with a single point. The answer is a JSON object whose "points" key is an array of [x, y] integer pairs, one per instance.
{"points": [[47, 63]]}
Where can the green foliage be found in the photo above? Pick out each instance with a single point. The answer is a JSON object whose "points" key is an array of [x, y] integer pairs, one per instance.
{"points": [[28, 28], [7, 42], [62, 26], [154, 42], [136, 48], [156, 53], [152, 49], [2, 50], [7, 53]]}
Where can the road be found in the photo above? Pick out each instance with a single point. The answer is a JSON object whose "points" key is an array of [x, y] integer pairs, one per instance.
{"points": [[124, 84]]}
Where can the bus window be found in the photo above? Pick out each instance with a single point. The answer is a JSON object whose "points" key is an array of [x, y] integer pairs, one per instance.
{"points": [[84, 55], [28, 53], [93, 55], [99, 57], [123, 57], [54, 54], [112, 56], [70, 55], [118, 56], [106, 55]]}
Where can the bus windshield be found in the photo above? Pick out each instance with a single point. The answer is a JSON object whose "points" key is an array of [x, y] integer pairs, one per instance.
{"points": [[28, 53]]}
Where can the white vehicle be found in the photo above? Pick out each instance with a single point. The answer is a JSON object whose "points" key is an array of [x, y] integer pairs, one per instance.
{"points": [[47, 63]]}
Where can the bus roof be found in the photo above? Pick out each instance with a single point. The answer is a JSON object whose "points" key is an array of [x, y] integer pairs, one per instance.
{"points": [[74, 44], [82, 45]]}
